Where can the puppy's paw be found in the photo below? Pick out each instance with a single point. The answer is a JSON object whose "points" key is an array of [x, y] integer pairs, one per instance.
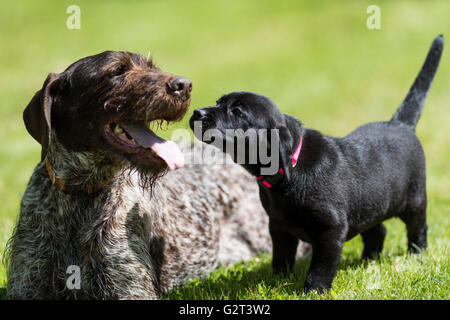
{"points": [[281, 268], [312, 289], [313, 285]]}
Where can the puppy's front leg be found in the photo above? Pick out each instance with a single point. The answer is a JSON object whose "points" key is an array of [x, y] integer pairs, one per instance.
{"points": [[327, 249], [284, 249]]}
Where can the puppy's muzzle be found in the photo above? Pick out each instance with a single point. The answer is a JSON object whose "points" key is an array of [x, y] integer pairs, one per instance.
{"points": [[199, 114], [204, 117]]}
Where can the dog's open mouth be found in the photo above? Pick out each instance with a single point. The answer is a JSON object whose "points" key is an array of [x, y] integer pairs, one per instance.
{"points": [[138, 138]]}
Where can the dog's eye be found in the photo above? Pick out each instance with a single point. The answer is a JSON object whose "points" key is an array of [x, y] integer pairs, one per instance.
{"points": [[237, 112], [237, 104], [119, 71]]}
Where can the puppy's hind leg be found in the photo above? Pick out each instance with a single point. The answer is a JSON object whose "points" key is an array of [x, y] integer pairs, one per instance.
{"points": [[415, 217], [373, 240], [416, 226]]}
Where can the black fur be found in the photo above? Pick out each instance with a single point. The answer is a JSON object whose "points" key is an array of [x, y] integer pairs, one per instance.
{"points": [[340, 187]]}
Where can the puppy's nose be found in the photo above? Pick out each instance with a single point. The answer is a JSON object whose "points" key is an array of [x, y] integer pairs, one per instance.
{"points": [[180, 86], [199, 114]]}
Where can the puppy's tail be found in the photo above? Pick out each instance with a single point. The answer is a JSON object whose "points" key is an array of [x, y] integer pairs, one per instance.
{"points": [[409, 111]]}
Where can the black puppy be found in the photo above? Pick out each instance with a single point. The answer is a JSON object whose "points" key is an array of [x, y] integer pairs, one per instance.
{"points": [[328, 189]]}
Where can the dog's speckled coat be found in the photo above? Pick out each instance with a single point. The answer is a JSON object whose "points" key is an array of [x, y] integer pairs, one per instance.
{"points": [[130, 242]]}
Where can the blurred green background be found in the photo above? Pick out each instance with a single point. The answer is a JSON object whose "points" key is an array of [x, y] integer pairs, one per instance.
{"points": [[316, 59]]}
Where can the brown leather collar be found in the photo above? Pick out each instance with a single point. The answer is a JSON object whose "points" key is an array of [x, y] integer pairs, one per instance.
{"points": [[62, 185]]}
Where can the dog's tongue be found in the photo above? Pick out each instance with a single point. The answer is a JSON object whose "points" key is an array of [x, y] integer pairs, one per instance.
{"points": [[166, 150]]}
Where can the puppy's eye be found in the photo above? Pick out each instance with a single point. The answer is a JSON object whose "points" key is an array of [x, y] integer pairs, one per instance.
{"points": [[237, 112], [237, 103]]}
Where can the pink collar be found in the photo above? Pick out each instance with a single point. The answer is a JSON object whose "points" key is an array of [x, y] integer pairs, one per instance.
{"points": [[269, 181], [296, 154]]}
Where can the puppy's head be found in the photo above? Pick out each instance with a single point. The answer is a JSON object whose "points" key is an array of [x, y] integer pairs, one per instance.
{"points": [[106, 103], [248, 112]]}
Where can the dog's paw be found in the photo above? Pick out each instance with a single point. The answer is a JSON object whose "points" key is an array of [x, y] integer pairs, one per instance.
{"points": [[318, 286]]}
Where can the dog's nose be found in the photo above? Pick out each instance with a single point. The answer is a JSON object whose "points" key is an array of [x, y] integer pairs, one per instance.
{"points": [[180, 86], [199, 114]]}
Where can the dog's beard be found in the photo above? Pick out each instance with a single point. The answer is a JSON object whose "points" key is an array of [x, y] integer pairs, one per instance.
{"points": [[146, 178]]}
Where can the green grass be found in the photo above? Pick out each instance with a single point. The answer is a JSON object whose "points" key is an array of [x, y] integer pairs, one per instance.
{"points": [[394, 275], [315, 59]]}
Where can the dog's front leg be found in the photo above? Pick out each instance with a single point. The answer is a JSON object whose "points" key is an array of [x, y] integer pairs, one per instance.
{"points": [[327, 249], [284, 249]]}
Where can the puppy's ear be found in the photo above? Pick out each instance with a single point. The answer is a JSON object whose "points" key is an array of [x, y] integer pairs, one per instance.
{"points": [[37, 115], [285, 144]]}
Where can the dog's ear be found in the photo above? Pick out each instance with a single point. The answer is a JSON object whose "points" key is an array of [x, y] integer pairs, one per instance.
{"points": [[285, 144], [37, 115]]}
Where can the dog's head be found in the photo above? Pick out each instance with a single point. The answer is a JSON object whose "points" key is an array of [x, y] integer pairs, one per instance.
{"points": [[248, 111], [107, 102]]}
